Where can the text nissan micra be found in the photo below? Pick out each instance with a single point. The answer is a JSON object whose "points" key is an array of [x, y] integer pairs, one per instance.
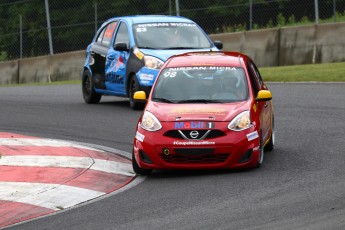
{"points": [[206, 110]]}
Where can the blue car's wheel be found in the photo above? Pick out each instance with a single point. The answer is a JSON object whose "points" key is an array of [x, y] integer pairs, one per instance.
{"points": [[89, 94], [134, 87]]}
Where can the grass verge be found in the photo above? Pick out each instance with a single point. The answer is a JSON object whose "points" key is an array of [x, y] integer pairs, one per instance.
{"points": [[330, 72]]}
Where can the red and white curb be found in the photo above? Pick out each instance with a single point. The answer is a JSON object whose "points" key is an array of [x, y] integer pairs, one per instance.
{"points": [[41, 176]]}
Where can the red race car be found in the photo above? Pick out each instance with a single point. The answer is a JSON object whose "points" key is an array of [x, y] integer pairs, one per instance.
{"points": [[206, 110]]}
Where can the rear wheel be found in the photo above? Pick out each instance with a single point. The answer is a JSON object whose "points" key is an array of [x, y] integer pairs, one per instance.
{"points": [[89, 94], [137, 169], [134, 87]]}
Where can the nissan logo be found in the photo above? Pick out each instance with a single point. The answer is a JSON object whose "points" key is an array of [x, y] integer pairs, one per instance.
{"points": [[194, 134]]}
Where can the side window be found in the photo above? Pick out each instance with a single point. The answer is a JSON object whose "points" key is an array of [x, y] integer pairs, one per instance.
{"points": [[108, 34], [100, 36], [257, 73], [253, 79], [122, 34]]}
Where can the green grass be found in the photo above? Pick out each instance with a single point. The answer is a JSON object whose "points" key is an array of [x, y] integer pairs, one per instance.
{"points": [[331, 72]]}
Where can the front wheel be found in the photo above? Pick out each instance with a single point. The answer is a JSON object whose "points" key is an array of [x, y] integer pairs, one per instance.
{"points": [[261, 152], [89, 94], [137, 169], [270, 144], [134, 87]]}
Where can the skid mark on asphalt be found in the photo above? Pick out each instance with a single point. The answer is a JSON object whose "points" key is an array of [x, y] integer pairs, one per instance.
{"points": [[41, 176]]}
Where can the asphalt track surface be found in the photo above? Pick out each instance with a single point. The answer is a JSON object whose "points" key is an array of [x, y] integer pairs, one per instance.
{"points": [[301, 184]]}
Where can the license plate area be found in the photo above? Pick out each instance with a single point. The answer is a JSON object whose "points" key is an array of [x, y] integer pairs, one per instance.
{"points": [[193, 151]]}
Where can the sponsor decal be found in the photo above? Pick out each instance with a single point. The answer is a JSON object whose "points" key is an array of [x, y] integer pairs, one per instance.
{"points": [[110, 30], [189, 68], [141, 30], [252, 136], [194, 143], [139, 54], [209, 111], [193, 125], [113, 78], [193, 118], [165, 24], [254, 107], [145, 82], [140, 137], [145, 76]]}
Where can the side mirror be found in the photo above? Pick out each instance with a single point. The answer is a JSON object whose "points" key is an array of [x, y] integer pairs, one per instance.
{"points": [[218, 44], [139, 96], [121, 46], [264, 95]]}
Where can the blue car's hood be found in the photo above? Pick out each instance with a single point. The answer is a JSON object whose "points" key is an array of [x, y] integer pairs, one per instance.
{"points": [[165, 54]]}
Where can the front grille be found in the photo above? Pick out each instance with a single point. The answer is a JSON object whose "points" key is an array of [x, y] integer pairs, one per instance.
{"points": [[213, 133], [195, 159]]}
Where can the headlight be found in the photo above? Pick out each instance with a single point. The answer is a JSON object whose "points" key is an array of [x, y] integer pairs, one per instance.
{"points": [[150, 122], [152, 62], [241, 122]]}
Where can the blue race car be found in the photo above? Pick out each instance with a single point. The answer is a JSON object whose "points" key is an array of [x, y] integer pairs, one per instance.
{"points": [[127, 53]]}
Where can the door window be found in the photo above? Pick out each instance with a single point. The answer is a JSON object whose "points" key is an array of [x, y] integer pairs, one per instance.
{"points": [[108, 34], [100, 36], [122, 34]]}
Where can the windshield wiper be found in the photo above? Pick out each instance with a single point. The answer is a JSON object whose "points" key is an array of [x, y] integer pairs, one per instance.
{"points": [[148, 47], [162, 99], [181, 48]]}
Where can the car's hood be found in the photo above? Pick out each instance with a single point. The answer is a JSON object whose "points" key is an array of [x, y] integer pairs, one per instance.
{"points": [[165, 54], [183, 112]]}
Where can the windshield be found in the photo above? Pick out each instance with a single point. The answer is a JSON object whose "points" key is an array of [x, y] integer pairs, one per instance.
{"points": [[170, 36], [211, 84]]}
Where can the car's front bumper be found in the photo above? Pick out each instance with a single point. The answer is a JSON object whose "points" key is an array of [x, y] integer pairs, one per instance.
{"points": [[154, 150]]}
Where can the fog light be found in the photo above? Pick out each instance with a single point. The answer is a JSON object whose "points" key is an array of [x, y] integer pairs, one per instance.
{"points": [[166, 151]]}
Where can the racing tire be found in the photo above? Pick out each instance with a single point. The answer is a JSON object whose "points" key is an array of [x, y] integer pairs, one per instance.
{"points": [[261, 152], [134, 87], [270, 145], [137, 169], [89, 94]]}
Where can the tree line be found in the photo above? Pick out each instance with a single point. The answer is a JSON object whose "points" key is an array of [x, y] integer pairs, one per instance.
{"points": [[73, 22]]}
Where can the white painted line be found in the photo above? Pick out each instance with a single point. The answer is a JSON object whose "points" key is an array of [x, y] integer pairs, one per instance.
{"points": [[68, 162], [47, 161], [113, 167], [52, 196], [42, 142]]}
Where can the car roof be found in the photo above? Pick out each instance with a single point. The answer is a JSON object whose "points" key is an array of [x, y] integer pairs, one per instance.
{"points": [[151, 18], [214, 58]]}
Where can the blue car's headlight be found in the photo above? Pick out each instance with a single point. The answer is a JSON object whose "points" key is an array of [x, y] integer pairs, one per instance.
{"points": [[153, 62], [150, 122]]}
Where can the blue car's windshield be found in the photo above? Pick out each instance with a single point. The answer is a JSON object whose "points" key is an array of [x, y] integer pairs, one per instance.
{"points": [[170, 36]]}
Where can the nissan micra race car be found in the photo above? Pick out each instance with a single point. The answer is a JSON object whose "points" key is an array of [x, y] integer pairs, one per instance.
{"points": [[206, 110], [127, 53]]}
